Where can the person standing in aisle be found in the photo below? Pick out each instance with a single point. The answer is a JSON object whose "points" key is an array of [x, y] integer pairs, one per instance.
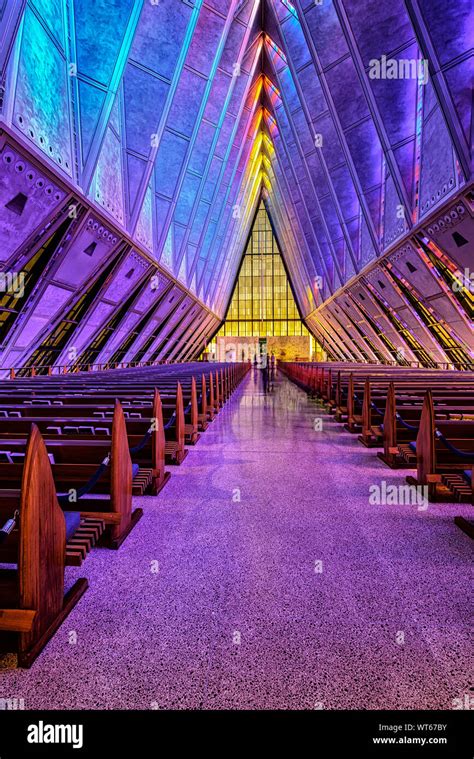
{"points": [[265, 376], [272, 366]]}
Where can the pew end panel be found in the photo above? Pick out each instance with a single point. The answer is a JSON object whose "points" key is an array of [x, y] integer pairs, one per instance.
{"points": [[121, 481], [191, 434], [41, 605], [158, 445], [174, 448], [203, 422]]}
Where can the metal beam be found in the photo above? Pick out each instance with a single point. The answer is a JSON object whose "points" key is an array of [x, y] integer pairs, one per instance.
{"points": [[441, 88], [374, 111]]}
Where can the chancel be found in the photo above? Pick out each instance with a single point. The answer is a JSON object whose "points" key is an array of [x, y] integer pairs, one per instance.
{"points": [[236, 356]]}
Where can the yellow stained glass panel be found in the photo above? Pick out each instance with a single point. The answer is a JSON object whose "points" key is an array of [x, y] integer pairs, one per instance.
{"points": [[262, 304]]}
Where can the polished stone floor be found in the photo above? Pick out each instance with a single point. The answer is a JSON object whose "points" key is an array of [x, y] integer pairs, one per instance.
{"points": [[263, 577]]}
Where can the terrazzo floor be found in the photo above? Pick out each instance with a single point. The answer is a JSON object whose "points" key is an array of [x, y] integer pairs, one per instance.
{"points": [[262, 578]]}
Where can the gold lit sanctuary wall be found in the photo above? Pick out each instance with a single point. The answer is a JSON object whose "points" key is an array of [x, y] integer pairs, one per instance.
{"points": [[262, 304]]}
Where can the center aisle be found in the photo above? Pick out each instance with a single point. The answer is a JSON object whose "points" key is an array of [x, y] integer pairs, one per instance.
{"points": [[262, 577]]}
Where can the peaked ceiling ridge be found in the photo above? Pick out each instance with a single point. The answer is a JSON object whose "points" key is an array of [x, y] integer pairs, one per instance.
{"points": [[186, 116]]}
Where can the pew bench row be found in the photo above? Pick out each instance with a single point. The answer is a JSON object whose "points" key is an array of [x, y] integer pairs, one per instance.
{"points": [[421, 420], [73, 452]]}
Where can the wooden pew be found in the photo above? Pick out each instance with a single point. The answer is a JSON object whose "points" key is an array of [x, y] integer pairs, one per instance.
{"points": [[385, 408], [145, 437], [69, 391], [402, 417], [441, 466], [431, 431], [33, 604], [89, 408], [69, 475]]}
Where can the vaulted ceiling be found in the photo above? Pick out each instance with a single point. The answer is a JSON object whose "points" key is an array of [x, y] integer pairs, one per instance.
{"points": [[139, 137]]}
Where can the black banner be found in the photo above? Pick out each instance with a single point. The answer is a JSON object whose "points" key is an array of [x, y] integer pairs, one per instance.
{"points": [[312, 733]]}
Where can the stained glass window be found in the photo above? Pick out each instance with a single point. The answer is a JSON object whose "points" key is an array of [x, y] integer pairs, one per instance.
{"points": [[262, 304]]}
